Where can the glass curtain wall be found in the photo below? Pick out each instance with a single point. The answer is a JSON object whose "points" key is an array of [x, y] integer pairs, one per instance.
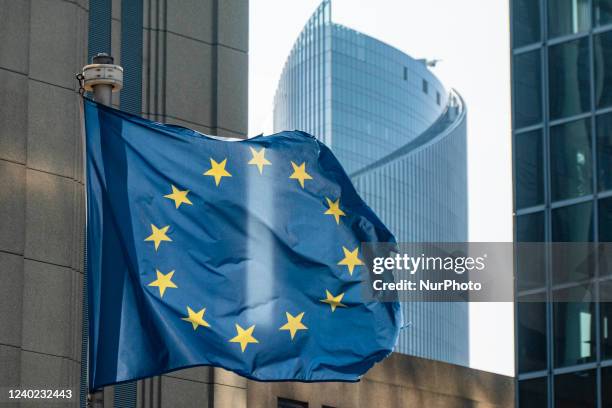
{"points": [[562, 155]]}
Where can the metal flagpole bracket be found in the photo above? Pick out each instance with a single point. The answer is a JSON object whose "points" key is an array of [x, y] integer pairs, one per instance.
{"points": [[102, 77]]}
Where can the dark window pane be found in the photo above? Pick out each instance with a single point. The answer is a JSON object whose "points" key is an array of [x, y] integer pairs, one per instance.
{"points": [[605, 291], [602, 12], [530, 228], [527, 89], [606, 390], [568, 17], [530, 264], [574, 326], [533, 393], [287, 403], [603, 69], [572, 263], [425, 86], [531, 334], [570, 160], [576, 390], [605, 237], [568, 73], [605, 220], [529, 168], [604, 151], [573, 223], [526, 22]]}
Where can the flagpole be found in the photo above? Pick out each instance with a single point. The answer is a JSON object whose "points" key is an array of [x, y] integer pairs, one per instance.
{"points": [[102, 77]]}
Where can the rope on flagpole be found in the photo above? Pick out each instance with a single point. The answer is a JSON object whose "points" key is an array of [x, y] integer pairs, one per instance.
{"points": [[85, 395]]}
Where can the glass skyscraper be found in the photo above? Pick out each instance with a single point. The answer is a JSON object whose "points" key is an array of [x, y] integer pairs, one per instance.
{"points": [[562, 148], [401, 136]]}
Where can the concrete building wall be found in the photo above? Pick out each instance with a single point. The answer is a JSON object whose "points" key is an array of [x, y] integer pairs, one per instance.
{"points": [[41, 192], [399, 381], [194, 74]]}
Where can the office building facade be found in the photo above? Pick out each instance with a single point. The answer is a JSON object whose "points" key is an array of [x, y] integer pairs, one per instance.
{"points": [[185, 62], [562, 154], [401, 136]]}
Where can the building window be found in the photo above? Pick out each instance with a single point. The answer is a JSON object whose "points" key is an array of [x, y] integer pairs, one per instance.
{"points": [[605, 256], [574, 326], [573, 223], [605, 291], [603, 69], [533, 393], [570, 160], [288, 403], [526, 22], [576, 389], [568, 78], [604, 151], [605, 221], [606, 392], [530, 227], [527, 89], [530, 263], [438, 98], [602, 12], [425, 86], [573, 263], [529, 169], [405, 73], [568, 17], [531, 333]]}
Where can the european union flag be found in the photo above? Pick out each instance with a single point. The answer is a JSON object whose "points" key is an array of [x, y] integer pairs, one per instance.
{"points": [[237, 254]]}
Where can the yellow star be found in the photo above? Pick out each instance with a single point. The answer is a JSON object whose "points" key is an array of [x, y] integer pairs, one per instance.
{"points": [[351, 259], [258, 159], [333, 301], [217, 171], [163, 282], [158, 235], [294, 323], [334, 209], [299, 173], [196, 319], [179, 197], [244, 337]]}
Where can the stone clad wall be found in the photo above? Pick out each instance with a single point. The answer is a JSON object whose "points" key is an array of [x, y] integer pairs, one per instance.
{"points": [[43, 44], [399, 381]]}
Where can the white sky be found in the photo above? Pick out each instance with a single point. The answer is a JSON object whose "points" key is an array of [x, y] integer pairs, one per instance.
{"points": [[471, 37]]}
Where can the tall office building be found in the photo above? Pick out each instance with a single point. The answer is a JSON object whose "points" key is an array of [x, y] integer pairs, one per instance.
{"points": [[562, 148], [185, 62], [401, 136]]}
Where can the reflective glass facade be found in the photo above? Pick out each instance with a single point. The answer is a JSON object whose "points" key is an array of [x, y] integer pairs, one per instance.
{"points": [[363, 98], [562, 122], [401, 136]]}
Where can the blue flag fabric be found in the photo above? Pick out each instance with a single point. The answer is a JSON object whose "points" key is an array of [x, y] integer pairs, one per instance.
{"points": [[243, 255]]}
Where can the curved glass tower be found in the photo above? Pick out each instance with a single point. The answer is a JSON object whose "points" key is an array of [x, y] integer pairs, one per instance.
{"points": [[401, 136]]}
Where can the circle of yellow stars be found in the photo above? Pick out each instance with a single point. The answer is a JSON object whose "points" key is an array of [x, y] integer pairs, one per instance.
{"points": [[218, 171]]}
